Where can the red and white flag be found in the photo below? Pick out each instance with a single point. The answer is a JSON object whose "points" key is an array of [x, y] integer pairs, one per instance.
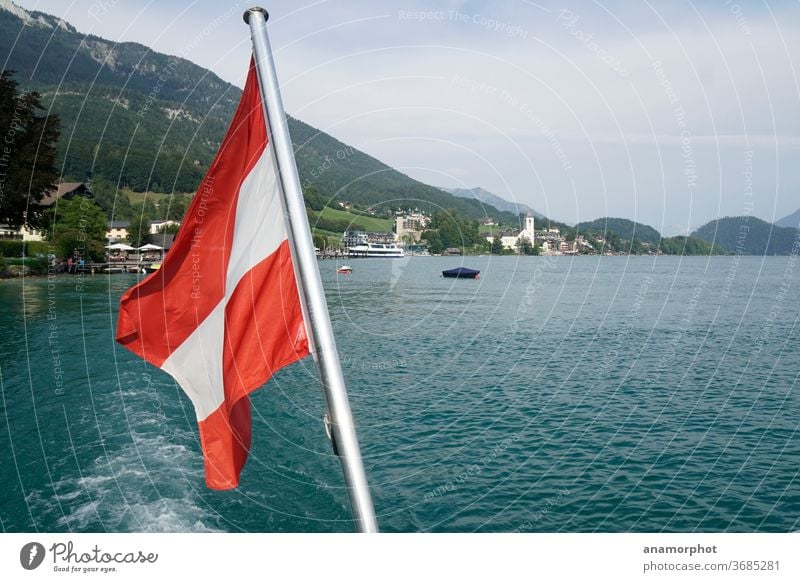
{"points": [[223, 313]]}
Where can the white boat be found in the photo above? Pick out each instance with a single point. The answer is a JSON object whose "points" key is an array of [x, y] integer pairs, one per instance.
{"points": [[375, 251]]}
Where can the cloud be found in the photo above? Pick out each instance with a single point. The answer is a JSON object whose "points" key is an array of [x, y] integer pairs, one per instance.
{"points": [[507, 95]]}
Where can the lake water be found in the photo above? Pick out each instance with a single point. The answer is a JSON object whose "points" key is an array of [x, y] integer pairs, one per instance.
{"points": [[552, 394]]}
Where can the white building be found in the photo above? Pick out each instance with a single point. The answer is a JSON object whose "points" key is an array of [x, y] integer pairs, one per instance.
{"points": [[117, 230], [159, 224], [411, 223], [22, 233], [512, 239]]}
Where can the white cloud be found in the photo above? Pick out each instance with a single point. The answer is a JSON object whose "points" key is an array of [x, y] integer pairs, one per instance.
{"points": [[506, 94]]}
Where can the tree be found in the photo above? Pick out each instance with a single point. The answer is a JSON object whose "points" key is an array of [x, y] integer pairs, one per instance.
{"points": [[138, 231], [497, 246], [116, 204], [76, 225], [176, 206], [27, 154], [524, 246], [168, 229], [435, 245]]}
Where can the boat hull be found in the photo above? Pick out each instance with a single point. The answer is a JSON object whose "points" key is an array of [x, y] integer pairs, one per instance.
{"points": [[461, 273]]}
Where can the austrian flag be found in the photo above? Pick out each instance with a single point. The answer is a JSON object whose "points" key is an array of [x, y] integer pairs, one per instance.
{"points": [[223, 312]]}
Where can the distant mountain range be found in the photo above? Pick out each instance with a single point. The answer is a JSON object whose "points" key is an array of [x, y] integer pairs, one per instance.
{"points": [[748, 235], [493, 199], [793, 220], [149, 121], [738, 235]]}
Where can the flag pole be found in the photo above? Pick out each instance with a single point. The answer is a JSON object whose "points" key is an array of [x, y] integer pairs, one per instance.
{"points": [[312, 293]]}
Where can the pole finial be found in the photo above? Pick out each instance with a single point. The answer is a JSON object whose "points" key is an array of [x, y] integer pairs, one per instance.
{"points": [[247, 12]]}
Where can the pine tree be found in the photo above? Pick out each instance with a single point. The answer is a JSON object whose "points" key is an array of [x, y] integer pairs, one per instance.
{"points": [[27, 154]]}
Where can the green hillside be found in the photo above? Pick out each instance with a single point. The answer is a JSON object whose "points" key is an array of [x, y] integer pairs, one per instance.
{"points": [[688, 246], [340, 172], [748, 235], [334, 220], [622, 227]]}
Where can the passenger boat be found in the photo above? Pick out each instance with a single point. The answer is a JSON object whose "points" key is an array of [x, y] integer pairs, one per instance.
{"points": [[375, 251], [461, 273]]}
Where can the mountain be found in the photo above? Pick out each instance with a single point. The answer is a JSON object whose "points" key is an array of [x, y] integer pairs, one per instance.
{"points": [[493, 199], [622, 227], [748, 235], [689, 246], [150, 121], [791, 221]]}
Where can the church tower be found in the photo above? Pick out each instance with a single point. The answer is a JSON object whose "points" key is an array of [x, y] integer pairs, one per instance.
{"points": [[529, 225]]}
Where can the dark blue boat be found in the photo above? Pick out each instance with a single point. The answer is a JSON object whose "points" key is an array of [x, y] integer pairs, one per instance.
{"points": [[461, 273]]}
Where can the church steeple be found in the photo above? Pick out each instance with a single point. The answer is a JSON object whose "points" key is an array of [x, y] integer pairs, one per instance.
{"points": [[529, 224]]}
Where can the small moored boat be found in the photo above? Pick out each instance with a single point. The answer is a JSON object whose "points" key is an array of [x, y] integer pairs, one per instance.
{"points": [[152, 268], [461, 273], [344, 270]]}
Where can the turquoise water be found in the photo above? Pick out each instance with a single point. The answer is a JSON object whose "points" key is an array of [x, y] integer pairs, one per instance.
{"points": [[552, 394]]}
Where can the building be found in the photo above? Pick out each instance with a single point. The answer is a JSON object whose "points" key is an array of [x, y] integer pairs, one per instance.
{"points": [[117, 230], [8, 233], [165, 241], [411, 224], [352, 238], [381, 237], [512, 239], [156, 225], [65, 191]]}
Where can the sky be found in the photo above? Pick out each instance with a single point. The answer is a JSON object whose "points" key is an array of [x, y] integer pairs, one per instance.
{"points": [[671, 113]]}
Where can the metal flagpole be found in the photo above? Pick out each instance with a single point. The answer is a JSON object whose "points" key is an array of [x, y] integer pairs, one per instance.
{"points": [[311, 292]]}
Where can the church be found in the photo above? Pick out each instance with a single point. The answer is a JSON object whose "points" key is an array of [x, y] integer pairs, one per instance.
{"points": [[512, 238]]}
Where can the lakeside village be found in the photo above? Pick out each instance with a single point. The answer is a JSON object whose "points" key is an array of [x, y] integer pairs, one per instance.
{"points": [[415, 233]]}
